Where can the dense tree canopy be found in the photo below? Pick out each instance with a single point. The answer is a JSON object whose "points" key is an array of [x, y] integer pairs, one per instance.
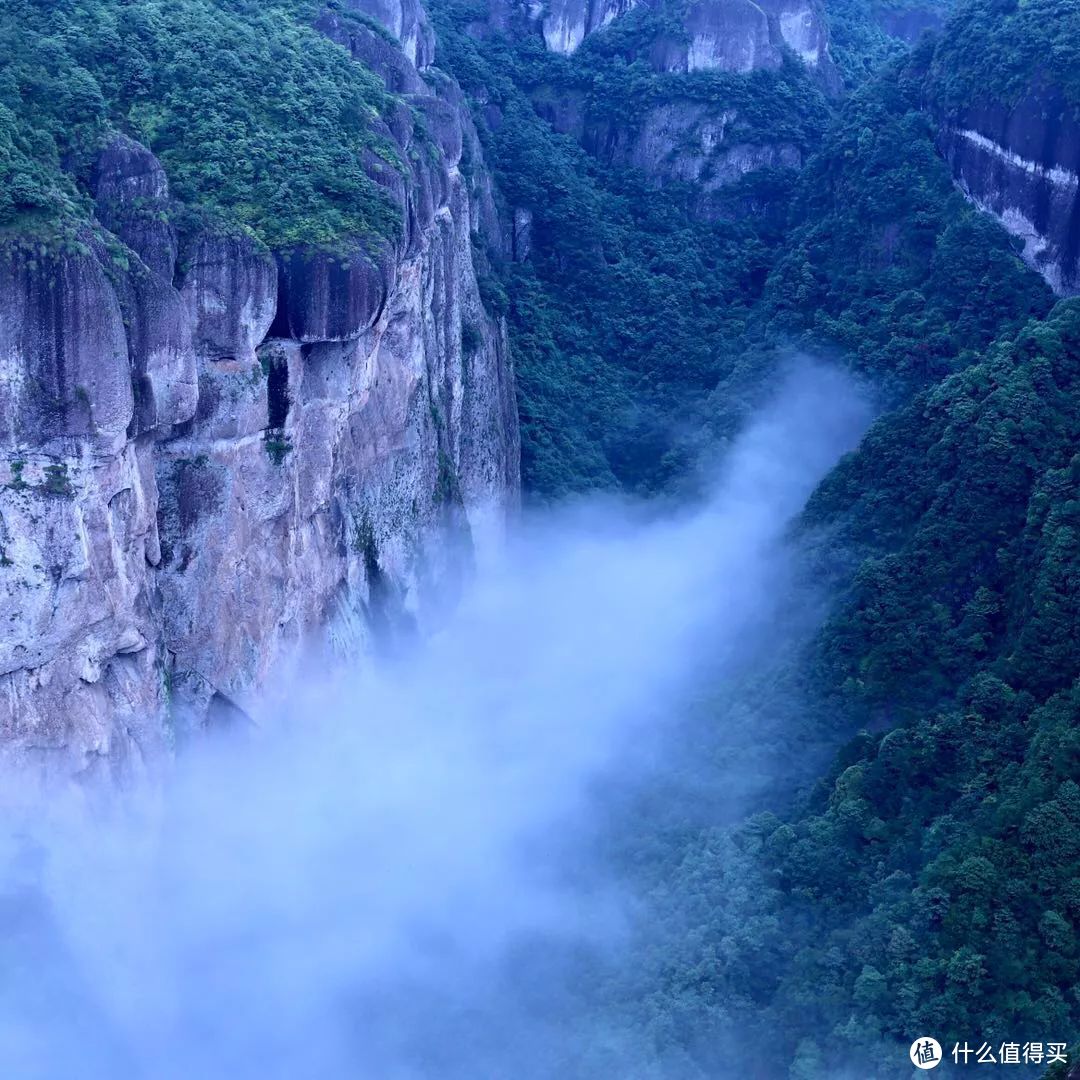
{"points": [[623, 317], [257, 118], [927, 881]]}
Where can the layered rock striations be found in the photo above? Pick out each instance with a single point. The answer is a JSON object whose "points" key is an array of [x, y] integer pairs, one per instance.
{"points": [[217, 458], [1021, 163]]}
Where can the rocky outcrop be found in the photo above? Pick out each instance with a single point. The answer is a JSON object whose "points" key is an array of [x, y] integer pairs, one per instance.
{"points": [[132, 201], [726, 35], [566, 23], [331, 297], [405, 21], [909, 23], [229, 287], [1021, 163], [82, 678], [160, 353], [687, 142], [802, 29], [705, 148], [218, 459], [63, 352], [719, 35], [744, 36]]}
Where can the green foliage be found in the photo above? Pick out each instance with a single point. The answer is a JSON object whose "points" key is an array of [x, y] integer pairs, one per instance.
{"points": [[620, 318], [998, 49], [926, 882], [470, 339], [57, 482], [620, 85], [886, 259], [945, 852], [958, 501], [277, 445], [256, 117], [17, 483], [857, 43], [860, 32]]}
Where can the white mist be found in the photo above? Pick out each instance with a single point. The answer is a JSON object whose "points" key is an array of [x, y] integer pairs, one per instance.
{"points": [[334, 895]]}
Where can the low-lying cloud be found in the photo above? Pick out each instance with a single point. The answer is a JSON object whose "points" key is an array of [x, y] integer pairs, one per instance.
{"points": [[344, 891]]}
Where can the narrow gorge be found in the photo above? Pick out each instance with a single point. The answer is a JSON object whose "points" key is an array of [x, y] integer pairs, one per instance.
{"points": [[539, 538]]}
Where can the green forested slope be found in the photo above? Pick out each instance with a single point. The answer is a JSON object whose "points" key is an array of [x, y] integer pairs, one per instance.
{"points": [[996, 50], [927, 882], [883, 265], [257, 118], [626, 314], [885, 258]]}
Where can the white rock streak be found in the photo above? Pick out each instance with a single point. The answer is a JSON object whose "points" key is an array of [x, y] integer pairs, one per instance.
{"points": [[1063, 178]]}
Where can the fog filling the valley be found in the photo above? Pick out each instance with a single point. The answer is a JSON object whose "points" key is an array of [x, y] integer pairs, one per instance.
{"points": [[359, 887]]}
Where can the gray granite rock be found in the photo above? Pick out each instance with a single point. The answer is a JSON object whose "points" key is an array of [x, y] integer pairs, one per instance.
{"points": [[222, 461]]}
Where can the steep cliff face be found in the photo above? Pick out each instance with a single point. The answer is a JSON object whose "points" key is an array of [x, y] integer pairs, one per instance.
{"points": [[217, 457], [702, 146], [909, 22], [742, 36], [1021, 163], [566, 23], [698, 95], [719, 35], [406, 21], [1000, 82]]}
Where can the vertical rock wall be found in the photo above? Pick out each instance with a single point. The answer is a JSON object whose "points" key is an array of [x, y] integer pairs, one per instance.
{"points": [[1021, 163], [218, 460], [720, 35]]}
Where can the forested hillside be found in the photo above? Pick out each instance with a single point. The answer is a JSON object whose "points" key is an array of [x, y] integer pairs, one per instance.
{"points": [[659, 236], [231, 97], [927, 880], [630, 307]]}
